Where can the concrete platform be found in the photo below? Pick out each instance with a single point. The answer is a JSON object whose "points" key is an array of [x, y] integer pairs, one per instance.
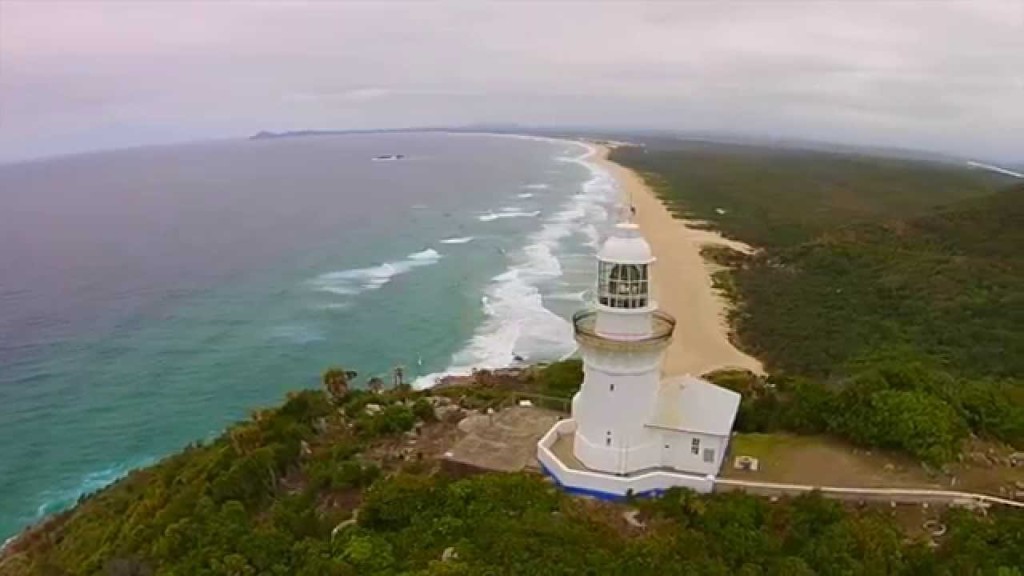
{"points": [[505, 441], [562, 449]]}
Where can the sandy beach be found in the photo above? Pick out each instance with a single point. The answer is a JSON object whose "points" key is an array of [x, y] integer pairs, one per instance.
{"points": [[682, 282]]}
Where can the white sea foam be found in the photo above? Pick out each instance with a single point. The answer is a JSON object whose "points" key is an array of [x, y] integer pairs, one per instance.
{"points": [[540, 263], [358, 280], [491, 216], [567, 296], [591, 234], [525, 195], [56, 500], [517, 323], [457, 240], [536, 186], [429, 254]]}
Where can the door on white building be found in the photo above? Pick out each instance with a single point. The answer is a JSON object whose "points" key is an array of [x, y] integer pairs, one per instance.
{"points": [[668, 457]]}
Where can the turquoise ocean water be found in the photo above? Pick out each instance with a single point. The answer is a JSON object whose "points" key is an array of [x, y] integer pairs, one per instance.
{"points": [[150, 297]]}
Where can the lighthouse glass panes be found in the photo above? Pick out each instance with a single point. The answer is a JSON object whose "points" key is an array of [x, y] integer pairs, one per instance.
{"points": [[622, 285]]}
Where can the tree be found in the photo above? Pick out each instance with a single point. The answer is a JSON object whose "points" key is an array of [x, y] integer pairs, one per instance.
{"points": [[336, 380]]}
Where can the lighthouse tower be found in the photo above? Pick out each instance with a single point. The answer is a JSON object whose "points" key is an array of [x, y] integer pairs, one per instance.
{"points": [[622, 340], [632, 432]]}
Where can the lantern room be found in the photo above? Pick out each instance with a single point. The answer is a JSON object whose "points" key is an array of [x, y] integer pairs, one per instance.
{"points": [[624, 284], [623, 270]]}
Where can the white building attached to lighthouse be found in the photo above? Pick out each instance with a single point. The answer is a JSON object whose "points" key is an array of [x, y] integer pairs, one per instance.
{"points": [[632, 432]]}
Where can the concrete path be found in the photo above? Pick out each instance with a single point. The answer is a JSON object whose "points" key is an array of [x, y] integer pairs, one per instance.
{"points": [[898, 495]]}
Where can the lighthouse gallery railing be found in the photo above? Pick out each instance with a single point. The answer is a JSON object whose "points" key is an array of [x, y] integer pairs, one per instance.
{"points": [[584, 325]]}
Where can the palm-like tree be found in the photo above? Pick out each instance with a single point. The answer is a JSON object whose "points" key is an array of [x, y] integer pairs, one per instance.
{"points": [[398, 382], [336, 381]]}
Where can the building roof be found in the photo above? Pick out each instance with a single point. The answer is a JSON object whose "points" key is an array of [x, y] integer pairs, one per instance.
{"points": [[694, 405], [626, 246]]}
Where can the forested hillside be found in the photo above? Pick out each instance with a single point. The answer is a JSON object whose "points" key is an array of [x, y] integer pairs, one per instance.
{"points": [[277, 495]]}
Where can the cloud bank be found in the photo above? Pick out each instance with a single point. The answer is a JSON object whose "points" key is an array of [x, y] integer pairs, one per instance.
{"points": [[946, 76]]}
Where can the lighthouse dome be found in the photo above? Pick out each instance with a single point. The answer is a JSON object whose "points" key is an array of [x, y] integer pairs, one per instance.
{"points": [[626, 246]]}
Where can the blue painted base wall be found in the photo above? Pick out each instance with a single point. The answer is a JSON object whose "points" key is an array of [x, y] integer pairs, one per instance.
{"points": [[608, 496]]}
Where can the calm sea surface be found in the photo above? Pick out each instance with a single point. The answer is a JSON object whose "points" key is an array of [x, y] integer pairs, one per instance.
{"points": [[150, 297]]}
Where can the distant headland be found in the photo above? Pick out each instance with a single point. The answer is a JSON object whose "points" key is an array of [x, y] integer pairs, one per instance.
{"points": [[496, 128], [267, 135]]}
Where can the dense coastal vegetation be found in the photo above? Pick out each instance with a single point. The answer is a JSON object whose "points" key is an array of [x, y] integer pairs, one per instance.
{"points": [[278, 494], [886, 297]]}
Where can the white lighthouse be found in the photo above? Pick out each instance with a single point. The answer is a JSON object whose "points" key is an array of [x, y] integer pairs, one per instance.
{"points": [[631, 431]]}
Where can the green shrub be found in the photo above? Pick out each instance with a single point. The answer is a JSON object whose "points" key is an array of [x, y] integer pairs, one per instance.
{"points": [[561, 379], [392, 419], [423, 410]]}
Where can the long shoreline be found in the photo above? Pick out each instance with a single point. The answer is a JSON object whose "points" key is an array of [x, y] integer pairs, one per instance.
{"points": [[682, 281]]}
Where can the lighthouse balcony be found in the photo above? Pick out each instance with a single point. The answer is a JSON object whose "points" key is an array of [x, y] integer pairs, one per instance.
{"points": [[586, 332]]}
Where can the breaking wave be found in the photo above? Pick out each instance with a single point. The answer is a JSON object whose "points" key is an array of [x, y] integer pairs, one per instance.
{"points": [[358, 280], [56, 500], [457, 240], [508, 213]]}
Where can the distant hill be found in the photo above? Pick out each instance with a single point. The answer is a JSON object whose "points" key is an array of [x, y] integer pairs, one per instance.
{"points": [[265, 135]]}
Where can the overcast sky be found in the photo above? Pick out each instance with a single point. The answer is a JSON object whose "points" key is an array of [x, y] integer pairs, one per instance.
{"points": [[81, 75]]}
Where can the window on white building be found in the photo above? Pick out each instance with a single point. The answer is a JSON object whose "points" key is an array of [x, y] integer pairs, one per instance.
{"points": [[695, 446], [709, 455], [611, 387], [622, 285]]}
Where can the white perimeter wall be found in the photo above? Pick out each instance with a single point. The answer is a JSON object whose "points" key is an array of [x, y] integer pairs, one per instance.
{"points": [[607, 484]]}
